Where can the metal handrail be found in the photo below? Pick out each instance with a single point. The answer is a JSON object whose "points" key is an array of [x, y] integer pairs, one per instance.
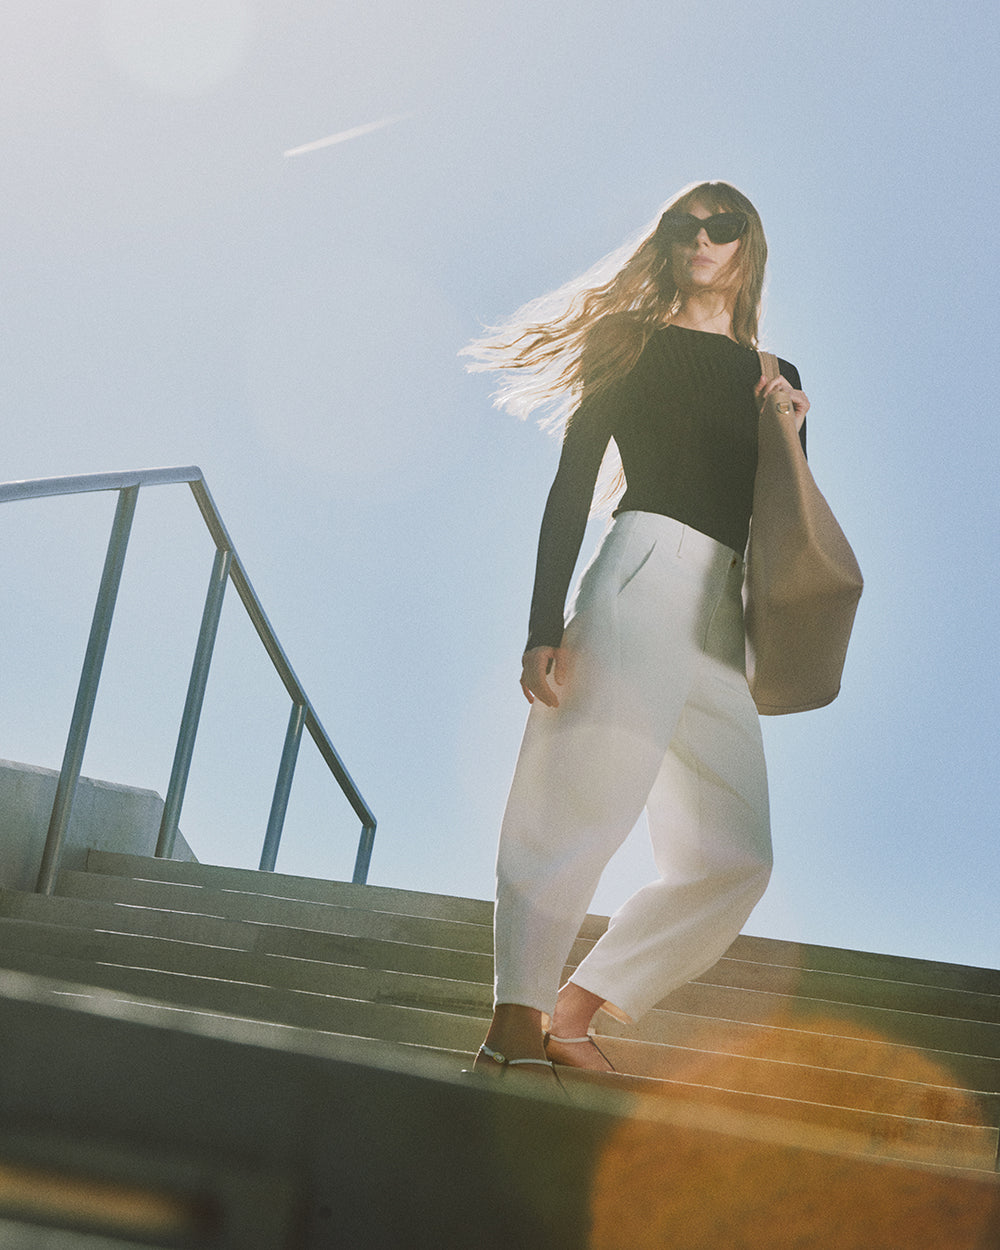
{"points": [[226, 567]]}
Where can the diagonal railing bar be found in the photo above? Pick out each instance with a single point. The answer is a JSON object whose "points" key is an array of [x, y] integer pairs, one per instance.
{"points": [[283, 787], [227, 567], [86, 695], [193, 704]]}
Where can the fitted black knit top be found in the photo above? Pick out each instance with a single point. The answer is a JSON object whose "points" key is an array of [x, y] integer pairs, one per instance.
{"points": [[685, 424]]}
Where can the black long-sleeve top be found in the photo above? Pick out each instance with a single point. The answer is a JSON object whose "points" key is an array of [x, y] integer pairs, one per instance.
{"points": [[685, 423]]}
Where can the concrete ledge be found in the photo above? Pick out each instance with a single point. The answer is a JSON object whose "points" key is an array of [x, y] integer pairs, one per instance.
{"points": [[367, 1155], [105, 816]]}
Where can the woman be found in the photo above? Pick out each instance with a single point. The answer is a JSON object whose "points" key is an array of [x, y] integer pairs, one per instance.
{"points": [[640, 699]]}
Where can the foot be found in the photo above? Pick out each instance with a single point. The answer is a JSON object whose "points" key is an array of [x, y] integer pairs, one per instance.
{"points": [[577, 1052], [498, 1065], [490, 1060], [514, 1038]]}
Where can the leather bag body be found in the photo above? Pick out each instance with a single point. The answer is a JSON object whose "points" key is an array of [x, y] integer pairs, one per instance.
{"points": [[802, 582]]}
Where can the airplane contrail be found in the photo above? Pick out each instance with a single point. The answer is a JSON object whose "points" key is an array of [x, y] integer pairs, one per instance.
{"points": [[343, 135]]}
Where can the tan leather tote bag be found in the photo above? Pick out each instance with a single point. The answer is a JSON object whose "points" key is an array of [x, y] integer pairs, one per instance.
{"points": [[802, 582]]}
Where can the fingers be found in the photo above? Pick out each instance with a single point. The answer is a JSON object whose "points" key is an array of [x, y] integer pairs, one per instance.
{"points": [[534, 676], [537, 665], [559, 670], [798, 399], [767, 386], [800, 404]]}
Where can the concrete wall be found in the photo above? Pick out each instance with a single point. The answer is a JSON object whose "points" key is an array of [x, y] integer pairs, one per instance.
{"points": [[105, 817]]}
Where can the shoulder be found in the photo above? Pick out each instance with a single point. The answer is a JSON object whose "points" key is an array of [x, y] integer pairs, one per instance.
{"points": [[613, 333], [611, 348]]}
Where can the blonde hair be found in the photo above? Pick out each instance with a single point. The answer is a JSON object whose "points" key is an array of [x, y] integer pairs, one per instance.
{"points": [[591, 331]]}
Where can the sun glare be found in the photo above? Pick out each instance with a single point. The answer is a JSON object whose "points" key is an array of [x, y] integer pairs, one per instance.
{"points": [[182, 47]]}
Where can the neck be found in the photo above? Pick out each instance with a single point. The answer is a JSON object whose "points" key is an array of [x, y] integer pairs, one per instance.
{"points": [[705, 310]]}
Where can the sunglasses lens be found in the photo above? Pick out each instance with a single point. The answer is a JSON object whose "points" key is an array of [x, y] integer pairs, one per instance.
{"points": [[725, 227], [678, 228]]}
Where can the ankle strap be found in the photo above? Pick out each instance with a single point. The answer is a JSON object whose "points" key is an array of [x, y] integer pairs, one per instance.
{"points": [[496, 1056]]}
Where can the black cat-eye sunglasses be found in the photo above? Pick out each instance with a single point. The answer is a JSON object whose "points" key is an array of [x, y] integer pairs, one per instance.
{"points": [[684, 227]]}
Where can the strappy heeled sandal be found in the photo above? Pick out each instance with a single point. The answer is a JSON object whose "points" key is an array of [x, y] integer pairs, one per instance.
{"points": [[505, 1064], [574, 1041]]}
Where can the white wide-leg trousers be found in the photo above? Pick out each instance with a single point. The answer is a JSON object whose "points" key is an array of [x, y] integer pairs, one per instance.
{"points": [[655, 713]]}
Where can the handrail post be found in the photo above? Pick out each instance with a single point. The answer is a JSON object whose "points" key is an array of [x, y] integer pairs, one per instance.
{"points": [[193, 704], [86, 696], [364, 857], [282, 788]]}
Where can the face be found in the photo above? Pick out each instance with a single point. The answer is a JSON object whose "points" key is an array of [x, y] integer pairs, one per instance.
{"points": [[704, 265]]}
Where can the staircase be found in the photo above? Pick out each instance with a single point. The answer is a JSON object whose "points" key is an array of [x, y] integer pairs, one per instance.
{"points": [[882, 1066]]}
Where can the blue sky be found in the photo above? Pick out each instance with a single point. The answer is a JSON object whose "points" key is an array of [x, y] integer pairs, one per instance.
{"points": [[175, 290]]}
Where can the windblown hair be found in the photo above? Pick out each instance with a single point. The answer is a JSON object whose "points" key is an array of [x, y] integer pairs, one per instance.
{"points": [[555, 347]]}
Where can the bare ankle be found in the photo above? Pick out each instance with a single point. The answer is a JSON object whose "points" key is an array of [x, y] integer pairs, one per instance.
{"points": [[516, 1031], [575, 1009]]}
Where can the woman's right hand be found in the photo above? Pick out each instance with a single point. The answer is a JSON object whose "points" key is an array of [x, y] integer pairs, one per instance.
{"points": [[536, 667], [798, 399]]}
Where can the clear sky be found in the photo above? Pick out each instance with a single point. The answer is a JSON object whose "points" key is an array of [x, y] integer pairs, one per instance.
{"points": [[174, 289]]}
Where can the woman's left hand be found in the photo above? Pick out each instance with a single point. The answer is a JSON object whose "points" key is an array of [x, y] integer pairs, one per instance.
{"points": [[798, 399]]}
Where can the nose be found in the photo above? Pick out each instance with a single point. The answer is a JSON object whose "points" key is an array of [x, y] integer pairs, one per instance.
{"points": [[702, 237]]}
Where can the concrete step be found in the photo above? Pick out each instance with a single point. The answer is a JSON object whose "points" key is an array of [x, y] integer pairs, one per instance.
{"points": [[867, 964], [806, 983]]}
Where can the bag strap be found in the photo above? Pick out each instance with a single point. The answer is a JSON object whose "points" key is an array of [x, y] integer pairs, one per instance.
{"points": [[769, 365]]}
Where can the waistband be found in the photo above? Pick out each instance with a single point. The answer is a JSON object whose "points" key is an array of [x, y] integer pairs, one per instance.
{"points": [[682, 539]]}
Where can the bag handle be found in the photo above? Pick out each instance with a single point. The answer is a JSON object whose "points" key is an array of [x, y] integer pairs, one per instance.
{"points": [[769, 366]]}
